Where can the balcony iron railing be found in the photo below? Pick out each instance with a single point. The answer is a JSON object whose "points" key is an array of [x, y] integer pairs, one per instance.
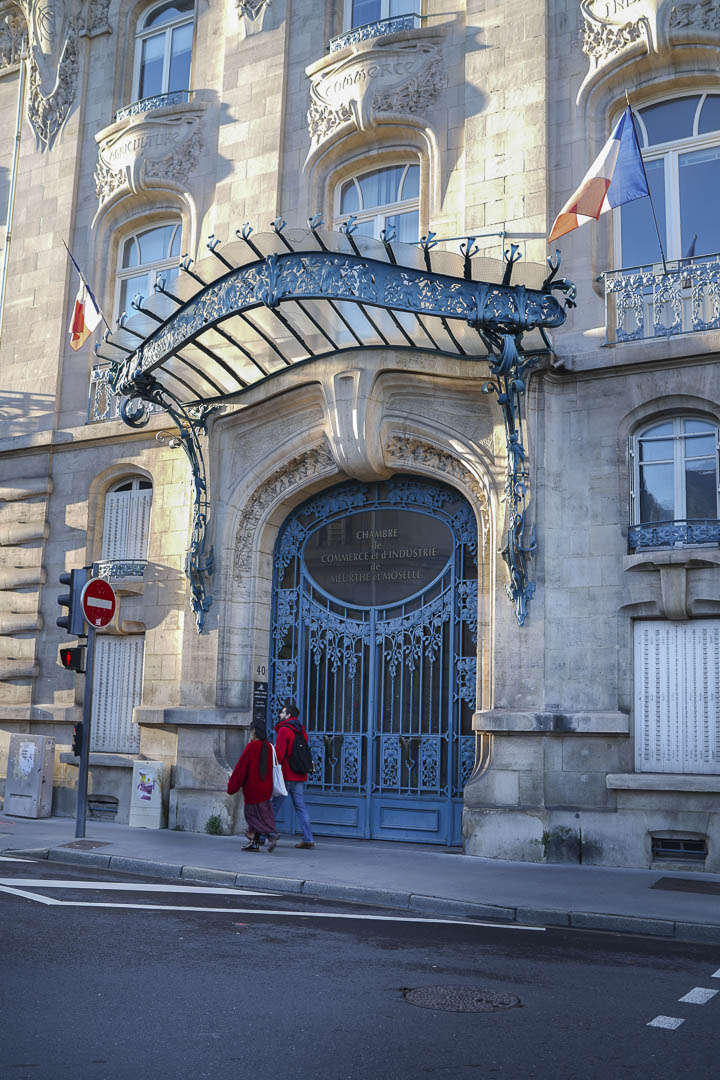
{"points": [[157, 101], [119, 569], [667, 534], [374, 30], [645, 302]]}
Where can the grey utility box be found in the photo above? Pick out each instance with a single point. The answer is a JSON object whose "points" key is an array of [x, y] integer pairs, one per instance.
{"points": [[29, 783]]}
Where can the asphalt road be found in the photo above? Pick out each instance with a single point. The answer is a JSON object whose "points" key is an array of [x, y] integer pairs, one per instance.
{"points": [[121, 981]]}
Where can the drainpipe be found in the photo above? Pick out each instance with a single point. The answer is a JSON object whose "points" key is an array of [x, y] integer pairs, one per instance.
{"points": [[11, 193]]}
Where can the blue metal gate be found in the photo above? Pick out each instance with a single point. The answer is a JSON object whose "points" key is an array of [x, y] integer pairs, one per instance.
{"points": [[374, 634]]}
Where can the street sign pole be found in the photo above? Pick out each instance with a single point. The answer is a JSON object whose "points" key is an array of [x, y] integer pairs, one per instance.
{"points": [[86, 727], [85, 747]]}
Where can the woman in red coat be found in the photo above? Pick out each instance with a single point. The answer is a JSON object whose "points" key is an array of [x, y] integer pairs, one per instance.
{"points": [[253, 773]]}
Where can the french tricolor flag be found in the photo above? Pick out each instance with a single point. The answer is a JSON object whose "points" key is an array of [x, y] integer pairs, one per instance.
{"points": [[85, 317], [616, 176]]}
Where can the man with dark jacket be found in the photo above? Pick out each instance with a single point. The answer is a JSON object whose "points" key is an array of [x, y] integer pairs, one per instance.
{"points": [[286, 730]]}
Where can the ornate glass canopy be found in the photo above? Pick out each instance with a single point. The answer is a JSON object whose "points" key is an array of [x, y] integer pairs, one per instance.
{"points": [[268, 302]]}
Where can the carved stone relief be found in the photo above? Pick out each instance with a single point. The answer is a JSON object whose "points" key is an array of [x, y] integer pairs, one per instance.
{"points": [[613, 27], [164, 144], [253, 12], [378, 78], [408, 451], [298, 471], [97, 17], [13, 38]]}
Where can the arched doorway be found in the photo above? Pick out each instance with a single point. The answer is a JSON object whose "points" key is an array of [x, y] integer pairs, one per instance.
{"points": [[374, 634]]}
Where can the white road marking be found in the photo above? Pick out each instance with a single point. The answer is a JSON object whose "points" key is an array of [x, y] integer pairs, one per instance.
{"points": [[717, 974], [129, 886], [698, 996], [29, 896], [13, 858], [670, 1022]]}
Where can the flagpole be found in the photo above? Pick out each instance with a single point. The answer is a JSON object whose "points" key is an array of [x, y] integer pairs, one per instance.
{"points": [[80, 274], [647, 184]]}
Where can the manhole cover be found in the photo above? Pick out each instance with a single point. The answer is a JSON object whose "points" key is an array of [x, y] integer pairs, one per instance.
{"points": [[470, 999], [85, 845]]}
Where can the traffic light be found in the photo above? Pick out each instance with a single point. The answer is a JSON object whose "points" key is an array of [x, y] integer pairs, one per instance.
{"points": [[77, 739], [74, 621], [73, 659]]}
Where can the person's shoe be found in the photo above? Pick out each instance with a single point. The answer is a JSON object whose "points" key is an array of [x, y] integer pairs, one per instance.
{"points": [[272, 843], [305, 844], [252, 847]]}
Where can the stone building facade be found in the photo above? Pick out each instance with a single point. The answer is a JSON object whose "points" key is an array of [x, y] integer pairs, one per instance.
{"points": [[556, 702]]}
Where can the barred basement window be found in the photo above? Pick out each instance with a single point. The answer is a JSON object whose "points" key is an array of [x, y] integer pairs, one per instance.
{"points": [[677, 848]]}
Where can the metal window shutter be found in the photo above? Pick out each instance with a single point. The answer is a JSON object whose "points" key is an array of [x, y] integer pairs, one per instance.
{"points": [[677, 690], [117, 689], [126, 525]]}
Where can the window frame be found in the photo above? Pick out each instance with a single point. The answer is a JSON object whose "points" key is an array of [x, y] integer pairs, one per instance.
{"points": [[384, 14], [679, 440], [154, 269], [380, 213], [669, 152], [142, 35], [130, 484]]}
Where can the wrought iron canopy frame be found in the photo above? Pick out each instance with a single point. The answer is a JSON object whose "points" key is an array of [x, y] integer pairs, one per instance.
{"points": [[271, 301]]}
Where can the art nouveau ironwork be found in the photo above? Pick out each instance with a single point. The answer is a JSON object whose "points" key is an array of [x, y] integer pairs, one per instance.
{"points": [[387, 691], [380, 28], [275, 300], [665, 534], [644, 302]]}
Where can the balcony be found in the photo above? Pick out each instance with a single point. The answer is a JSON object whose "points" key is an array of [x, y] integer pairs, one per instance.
{"points": [[381, 28], [650, 535], [158, 101], [644, 302]]}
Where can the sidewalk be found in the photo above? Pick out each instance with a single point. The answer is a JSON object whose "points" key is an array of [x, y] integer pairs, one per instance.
{"points": [[414, 877]]}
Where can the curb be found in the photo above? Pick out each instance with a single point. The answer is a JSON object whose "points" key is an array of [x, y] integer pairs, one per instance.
{"points": [[706, 933]]}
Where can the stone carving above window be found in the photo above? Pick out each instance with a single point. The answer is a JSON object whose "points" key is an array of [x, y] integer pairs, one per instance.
{"points": [[378, 79], [13, 38], [253, 13], [617, 27], [164, 144], [612, 25], [97, 17]]}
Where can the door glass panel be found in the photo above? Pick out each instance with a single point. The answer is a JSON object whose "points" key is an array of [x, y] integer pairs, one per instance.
{"points": [[365, 11], [151, 66], [656, 449], [129, 289], [699, 209], [639, 238], [657, 502], [407, 226], [710, 115], [378, 556], [701, 488], [180, 55]]}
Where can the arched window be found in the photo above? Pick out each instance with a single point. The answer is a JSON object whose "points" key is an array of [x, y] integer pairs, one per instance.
{"points": [[676, 476], [381, 199], [126, 524], [362, 12], [680, 141], [163, 49], [144, 257]]}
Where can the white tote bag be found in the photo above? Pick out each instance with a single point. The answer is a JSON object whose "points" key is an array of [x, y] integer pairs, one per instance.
{"points": [[278, 778]]}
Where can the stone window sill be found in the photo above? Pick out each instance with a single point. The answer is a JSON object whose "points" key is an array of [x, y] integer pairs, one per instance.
{"points": [[690, 557], [691, 782]]}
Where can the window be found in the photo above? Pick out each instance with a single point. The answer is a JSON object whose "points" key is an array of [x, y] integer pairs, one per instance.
{"points": [[127, 521], [143, 258], [362, 12], [676, 471], [681, 148], [163, 49], [383, 199]]}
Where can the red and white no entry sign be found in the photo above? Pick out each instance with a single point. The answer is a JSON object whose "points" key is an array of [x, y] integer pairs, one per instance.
{"points": [[98, 602]]}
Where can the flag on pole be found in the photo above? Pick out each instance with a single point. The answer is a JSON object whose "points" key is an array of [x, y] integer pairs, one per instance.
{"points": [[86, 311], [617, 176], [85, 317]]}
